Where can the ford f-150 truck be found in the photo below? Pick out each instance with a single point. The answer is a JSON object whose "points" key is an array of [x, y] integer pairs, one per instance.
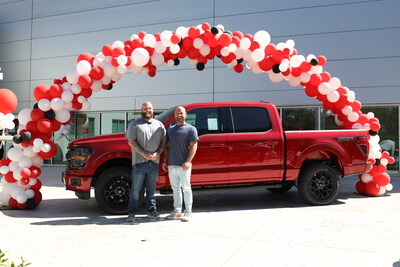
{"points": [[240, 144]]}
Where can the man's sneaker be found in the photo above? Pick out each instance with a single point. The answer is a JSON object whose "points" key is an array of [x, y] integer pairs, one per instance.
{"points": [[186, 217], [131, 218], [174, 216], [154, 215]]}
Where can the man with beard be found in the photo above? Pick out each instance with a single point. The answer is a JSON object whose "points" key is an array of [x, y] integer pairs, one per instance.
{"points": [[147, 138], [181, 148]]}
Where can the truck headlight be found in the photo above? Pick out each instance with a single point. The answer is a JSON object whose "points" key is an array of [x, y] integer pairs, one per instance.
{"points": [[78, 157]]}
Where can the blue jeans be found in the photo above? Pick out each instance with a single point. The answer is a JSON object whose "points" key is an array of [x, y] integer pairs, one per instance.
{"points": [[146, 174]]}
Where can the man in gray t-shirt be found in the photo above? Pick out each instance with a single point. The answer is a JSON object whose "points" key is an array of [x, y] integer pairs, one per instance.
{"points": [[147, 138]]}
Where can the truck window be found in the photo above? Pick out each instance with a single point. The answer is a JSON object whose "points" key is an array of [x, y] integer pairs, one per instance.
{"points": [[206, 120], [250, 119]]}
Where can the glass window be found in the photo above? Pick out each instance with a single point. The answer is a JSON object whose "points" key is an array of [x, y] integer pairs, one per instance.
{"points": [[250, 119], [205, 120], [112, 122], [328, 120], [87, 124], [300, 118]]}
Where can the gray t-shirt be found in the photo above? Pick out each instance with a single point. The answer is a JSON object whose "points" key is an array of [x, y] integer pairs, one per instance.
{"points": [[148, 135], [180, 137]]}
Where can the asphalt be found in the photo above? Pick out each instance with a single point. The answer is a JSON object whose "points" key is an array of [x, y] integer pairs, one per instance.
{"points": [[247, 227]]}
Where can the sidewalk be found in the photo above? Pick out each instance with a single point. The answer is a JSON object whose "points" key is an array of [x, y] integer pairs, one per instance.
{"points": [[249, 227]]}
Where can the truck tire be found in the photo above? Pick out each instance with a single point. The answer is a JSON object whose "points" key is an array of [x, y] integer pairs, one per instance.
{"points": [[285, 187], [318, 184]]}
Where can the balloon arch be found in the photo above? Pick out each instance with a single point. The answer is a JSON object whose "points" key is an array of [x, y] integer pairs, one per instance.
{"points": [[142, 54]]}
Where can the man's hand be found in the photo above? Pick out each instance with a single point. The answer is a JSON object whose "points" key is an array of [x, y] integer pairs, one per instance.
{"points": [[164, 166], [186, 166]]}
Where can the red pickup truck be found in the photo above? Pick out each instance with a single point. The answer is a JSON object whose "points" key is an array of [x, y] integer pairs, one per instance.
{"points": [[240, 144]]}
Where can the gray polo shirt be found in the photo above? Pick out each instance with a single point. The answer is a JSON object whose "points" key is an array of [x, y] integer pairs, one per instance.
{"points": [[148, 135]]}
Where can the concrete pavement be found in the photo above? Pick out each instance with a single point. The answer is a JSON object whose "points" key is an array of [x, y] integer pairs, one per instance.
{"points": [[248, 227]]}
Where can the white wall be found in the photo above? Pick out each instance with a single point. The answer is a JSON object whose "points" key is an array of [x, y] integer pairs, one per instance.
{"points": [[41, 39]]}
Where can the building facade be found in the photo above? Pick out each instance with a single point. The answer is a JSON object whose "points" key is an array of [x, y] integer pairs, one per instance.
{"points": [[40, 40]]}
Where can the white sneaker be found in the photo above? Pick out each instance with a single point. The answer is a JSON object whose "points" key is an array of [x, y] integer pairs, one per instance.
{"points": [[186, 217]]}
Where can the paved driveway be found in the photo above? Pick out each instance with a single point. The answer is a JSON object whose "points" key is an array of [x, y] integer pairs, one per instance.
{"points": [[250, 227]]}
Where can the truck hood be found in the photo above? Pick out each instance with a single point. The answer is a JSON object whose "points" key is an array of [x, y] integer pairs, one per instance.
{"points": [[87, 141]]}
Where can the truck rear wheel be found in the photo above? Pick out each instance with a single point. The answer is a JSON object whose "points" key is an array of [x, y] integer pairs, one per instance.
{"points": [[112, 190], [319, 184]]}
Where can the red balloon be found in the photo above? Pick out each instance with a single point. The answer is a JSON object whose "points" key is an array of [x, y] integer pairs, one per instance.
{"points": [[56, 90], [96, 73], [38, 196], [9, 177], [24, 181], [238, 68], [225, 39], [193, 32], [325, 76], [360, 187], [107, 50], [321, 60], [37, 114], [35, 171], [37, 186], [116, 52], [42, 91], [315, 79], [44, 125], [175, 39], [26, 173], [382, 179], [85, 81], [12, 203], [31, 126], [51, 153], [8, 101], [85, 56], [372, 188]]}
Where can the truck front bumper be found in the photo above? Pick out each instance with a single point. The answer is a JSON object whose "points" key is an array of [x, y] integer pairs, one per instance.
{"points": [[81, 184]]}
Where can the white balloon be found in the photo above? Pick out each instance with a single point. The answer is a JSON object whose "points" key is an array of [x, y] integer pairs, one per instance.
{"points": [[174, 48], [110, 70], [182, 31], [118, 44], [225, 51], [15, 154], [198, 43], [366, 178], [4, 169], [37, 161], [232, 47], [262, 37], [13, 165], [140, 56], [44, 104], [68, 96], [353, 116], [166, 35], [346, 110], [25, 162], [258, 54], [245, 43], [24, 116], [76, 88], [57, 104], [295, 61], [72, 76], [324, 88], [86, 105], [384, 161], [30, 193], [83, 67], [389, 187], [4, 198], [28, 152], [81, 99], [63, 115], [17, 174], [46, 147], [333, 96], [159, 47], [382, 191], [37, 142], [21, 198], [149, 40], [335, 83], [98, 62], [121, 69], [157, 59], [275, 77], [337, 121], [122, 59], [96, 86]]}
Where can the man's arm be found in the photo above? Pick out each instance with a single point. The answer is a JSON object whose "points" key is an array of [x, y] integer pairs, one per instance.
{"points": [[192, 152], [138, 149], [165, 157]]}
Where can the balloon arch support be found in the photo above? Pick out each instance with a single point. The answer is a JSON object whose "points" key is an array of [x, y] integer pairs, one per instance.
{"points": [[143, 53]]}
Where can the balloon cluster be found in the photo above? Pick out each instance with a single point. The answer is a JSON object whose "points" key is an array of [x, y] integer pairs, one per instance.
{"points": [[144, 53]]}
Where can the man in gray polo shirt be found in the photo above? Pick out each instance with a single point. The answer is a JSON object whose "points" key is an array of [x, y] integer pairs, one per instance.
{"points": [[147, 138]]}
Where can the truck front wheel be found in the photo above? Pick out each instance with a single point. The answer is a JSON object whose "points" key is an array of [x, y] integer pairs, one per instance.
{"points": [[318, 184], [112, 190]]}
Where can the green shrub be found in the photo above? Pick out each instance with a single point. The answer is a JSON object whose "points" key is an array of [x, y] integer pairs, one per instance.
{"points": [[4, 261]]}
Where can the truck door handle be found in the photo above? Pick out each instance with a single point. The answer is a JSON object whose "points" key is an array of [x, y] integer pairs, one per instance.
{"points": [[217, 145], [271, 143]]}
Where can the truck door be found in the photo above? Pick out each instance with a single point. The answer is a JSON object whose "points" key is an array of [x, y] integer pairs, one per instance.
{"points": [[255, 149], [210, 164]]}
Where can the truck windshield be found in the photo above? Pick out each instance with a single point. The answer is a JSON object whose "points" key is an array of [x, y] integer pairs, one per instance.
{"points": [[166, 114]]}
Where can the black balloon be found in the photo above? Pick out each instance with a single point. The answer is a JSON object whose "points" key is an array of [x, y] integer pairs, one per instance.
{"points": [[373, 133], [176, 61], [17, 139], [110, 86], [30, 203], [200, 66], [314, 62], [214, 30], [276, 69], [36, 106], [50, 115], [240, 60], [26, 136], [377, 162]]}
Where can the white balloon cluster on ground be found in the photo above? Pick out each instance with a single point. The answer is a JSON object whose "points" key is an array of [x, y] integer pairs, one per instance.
{"points": [[143, 53]]}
